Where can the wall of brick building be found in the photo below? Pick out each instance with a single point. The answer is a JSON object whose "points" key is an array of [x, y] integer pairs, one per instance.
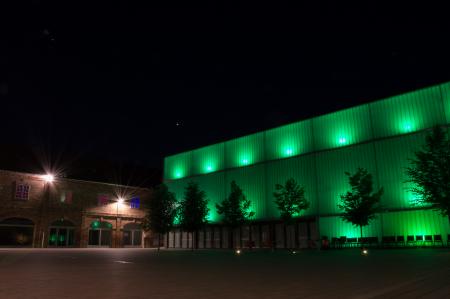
{"points": [[44, 205]]}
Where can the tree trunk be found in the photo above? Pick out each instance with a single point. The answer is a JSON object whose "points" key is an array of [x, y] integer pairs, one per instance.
{"points": [[360, 227], [159, 240], [230, 238]]}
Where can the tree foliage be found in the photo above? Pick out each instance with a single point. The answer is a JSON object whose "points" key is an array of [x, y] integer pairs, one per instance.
{"points": [[361, 204], [429, 171], [162, 210], [290, 199], [193, 208], [236, 208]]}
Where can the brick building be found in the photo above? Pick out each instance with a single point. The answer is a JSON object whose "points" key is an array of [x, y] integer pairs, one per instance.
{"points": [[70, 213]]}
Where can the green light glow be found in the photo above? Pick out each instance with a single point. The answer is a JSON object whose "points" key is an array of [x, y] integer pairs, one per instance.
{"points": [[342, 140], [407, 127], [178, 173], [289, 152]]}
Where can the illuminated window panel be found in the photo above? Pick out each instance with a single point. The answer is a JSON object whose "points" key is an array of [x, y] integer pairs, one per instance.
{"points": [[178, 166], [209, 159], [342, 128], [290, 140], [445, 92], [244, 151], [407, 113]]}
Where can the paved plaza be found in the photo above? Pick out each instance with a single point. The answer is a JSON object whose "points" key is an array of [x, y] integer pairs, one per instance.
{"points": [[146, 273]]}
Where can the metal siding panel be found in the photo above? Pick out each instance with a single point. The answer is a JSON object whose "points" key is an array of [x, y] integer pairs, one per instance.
{"points": [[418, 222], [252, 181], [445, 92], [336, 227], [214, 186], [331, 168], [290, 140], [407, 113], [244, 151], [342, 128], [302, 169], [208, 159], [392, 160], [178, 166]]}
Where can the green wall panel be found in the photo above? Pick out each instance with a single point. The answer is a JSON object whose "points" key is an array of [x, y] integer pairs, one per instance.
{"points": [[407, 113], [342, 128], [209, 159], [419, 222], [392, 160], [178, 166], [445, 91], [244, 151], [302, 169], [252, 181], [290, 140], [336, 227], [214, 186], [331, 168]]}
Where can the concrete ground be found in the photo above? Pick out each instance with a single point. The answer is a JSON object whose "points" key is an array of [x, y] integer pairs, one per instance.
{"points": [[145, 273]]}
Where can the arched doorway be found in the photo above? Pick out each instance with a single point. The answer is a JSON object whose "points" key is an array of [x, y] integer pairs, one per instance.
{"points": [[132, 235], [61, 234], [16, 232], [100, 234]]}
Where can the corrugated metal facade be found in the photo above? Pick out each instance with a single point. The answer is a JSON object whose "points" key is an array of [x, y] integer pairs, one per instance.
{"points": [[379, 136]]}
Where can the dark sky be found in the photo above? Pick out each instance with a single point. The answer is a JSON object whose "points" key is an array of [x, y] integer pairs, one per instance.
{"points": [[100, 83]]}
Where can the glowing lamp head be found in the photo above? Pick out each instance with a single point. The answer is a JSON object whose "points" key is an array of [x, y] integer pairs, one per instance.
{"points": [[120, 200], [209, 168], [294, 252], [238, 251], [342, 140], [289, 152], [48, 178], [365, 252], [245, 161]]}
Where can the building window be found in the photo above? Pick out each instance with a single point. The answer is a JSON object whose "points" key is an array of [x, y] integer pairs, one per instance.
{"points": [[66, 197], [22, 192], [102, 199], [135, 203]]}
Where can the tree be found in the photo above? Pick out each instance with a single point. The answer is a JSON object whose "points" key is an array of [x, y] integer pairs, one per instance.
{"points": [[361, 204], [193, 209], [290, 200], [161, 211], [235, 210], [429, 171]]}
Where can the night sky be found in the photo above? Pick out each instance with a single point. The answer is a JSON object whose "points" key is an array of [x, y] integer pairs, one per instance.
{"points": [[105, 91]]}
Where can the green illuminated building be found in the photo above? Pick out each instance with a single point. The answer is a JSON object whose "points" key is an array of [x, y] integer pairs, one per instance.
{"points": [[379, 136]]}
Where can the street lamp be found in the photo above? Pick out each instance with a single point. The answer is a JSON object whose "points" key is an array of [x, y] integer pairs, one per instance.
{"points": [[48, 178]]}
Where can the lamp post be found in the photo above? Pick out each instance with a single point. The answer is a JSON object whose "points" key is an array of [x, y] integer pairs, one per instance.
{"points": [[120, 201], [48, 179]]}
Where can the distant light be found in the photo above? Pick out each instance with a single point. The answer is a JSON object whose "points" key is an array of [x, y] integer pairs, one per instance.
{"points": [[244, 161], [289, 152], [120, 200], [178, 174], [49, 178], [209, 168], [342, 140], [407, 128], [238, 251], [294, 252], [365, 252]]}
